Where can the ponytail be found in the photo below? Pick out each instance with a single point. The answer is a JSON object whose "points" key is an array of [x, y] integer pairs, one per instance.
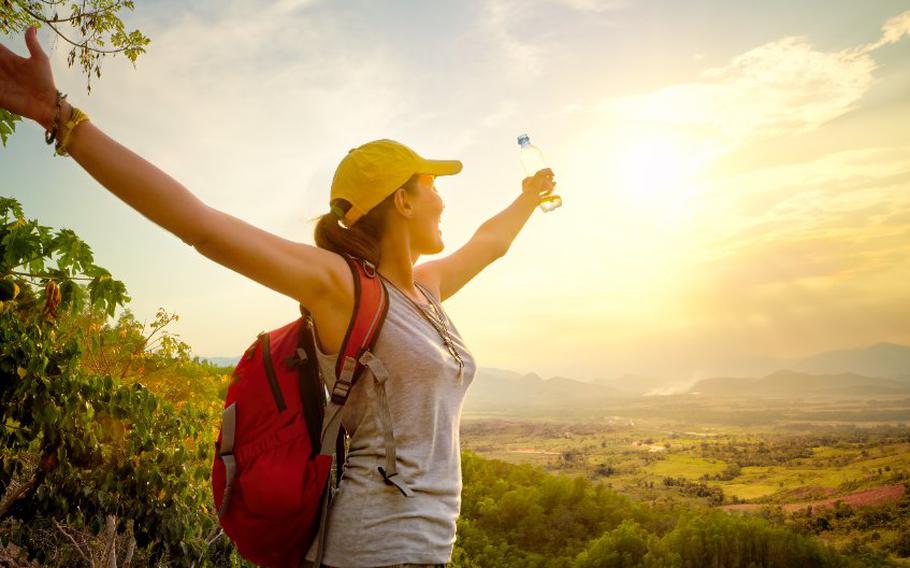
{"points": [[330, 235], [361, 240]]}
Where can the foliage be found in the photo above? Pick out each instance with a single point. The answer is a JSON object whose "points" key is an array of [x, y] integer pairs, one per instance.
{"points": [[84, 448], [714, 495], [520, 516], [861, 525], [719, 539], [27, 249], [7, 125], [88, 27], [626, 546], [125, 350]]}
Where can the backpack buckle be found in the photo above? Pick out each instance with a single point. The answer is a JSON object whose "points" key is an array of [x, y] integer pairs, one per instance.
{"points": [[344, 383], [369, 268], [299, 357]]}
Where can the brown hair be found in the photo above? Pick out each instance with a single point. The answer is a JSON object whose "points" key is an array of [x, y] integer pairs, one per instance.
{"points": [[361, 240]]}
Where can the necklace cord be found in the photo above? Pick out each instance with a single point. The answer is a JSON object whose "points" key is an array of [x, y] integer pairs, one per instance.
{"points": [[440, 325]]}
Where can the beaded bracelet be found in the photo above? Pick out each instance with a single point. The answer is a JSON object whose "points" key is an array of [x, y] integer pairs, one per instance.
{"points": [[51, 135], [76, 118]]}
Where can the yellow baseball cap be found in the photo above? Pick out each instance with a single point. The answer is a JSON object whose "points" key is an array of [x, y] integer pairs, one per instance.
{"points": [[373, 171]]}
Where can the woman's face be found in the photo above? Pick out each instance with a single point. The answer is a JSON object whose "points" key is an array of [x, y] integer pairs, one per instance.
{"points": [[425, 233]]}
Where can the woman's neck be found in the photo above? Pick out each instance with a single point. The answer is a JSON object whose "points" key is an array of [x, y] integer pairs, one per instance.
{"points": [[397, 265]]}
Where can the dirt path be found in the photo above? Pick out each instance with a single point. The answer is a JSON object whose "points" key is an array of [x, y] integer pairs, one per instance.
{"points": [[532, 451], [877, 496]]}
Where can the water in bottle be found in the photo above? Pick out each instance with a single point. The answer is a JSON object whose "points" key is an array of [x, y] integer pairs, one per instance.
{"points": [[532, 160]]}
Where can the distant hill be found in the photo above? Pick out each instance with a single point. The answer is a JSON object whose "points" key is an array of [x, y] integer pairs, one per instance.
{"points": [[499, 390], [886, 360], [882, 360], [877, 370], [793, 384], [222, 361]]}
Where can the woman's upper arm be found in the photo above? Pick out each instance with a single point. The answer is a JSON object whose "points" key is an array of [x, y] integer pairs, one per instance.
{"points": [[297, 270], [449, 274]]}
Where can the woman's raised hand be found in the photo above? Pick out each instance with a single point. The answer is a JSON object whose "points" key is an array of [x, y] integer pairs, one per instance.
{"points": [[27, 85], [540, 184]]}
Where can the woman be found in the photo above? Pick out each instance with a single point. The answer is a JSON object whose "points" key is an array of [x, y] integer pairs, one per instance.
{"points": [[383, 194]]}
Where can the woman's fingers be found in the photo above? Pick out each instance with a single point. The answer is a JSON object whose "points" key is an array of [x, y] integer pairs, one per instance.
{"points": [[31, 41], [541, 183], [27, 84]]}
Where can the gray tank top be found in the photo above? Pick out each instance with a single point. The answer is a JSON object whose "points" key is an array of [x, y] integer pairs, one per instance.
{"points": [[369, 522]]}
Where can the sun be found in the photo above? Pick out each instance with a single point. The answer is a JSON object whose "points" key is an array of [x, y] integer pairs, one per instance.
{"points": [[652, 173]]}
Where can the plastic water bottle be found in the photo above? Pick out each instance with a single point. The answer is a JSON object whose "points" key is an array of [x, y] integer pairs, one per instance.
{"points": [[532, 160]]}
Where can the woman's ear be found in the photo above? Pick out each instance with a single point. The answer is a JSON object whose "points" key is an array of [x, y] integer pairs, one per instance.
{"points": [[403, 203]]}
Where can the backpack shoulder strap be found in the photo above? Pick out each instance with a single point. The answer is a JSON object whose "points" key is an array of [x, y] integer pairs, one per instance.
{"points": [[371, 305], [370, 308]]}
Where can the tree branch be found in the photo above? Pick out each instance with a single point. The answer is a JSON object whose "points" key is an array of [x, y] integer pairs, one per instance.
{"points": [[14, 495], [75, 544], [84, 45], [80, 15], [110, 553], [45, 275]]}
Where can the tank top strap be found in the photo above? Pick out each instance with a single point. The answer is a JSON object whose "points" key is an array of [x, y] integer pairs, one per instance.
{"points": [[429, 294]]}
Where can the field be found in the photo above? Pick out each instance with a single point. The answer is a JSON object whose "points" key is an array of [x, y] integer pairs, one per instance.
{"points": [[790, 461]]}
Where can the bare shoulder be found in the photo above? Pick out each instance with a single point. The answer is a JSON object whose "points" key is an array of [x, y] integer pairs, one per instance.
{"points": [[332, 310], [339, 289]]}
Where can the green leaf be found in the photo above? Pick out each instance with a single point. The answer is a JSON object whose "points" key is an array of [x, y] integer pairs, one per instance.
{"points": [[10, 205], [7, 124], [73, 251]]}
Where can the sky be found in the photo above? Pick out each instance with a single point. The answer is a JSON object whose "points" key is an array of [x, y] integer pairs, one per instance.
{"points": [[735, 176]]}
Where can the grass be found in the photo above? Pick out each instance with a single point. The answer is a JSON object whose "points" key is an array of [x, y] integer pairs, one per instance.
{"points": [[683, 465]]}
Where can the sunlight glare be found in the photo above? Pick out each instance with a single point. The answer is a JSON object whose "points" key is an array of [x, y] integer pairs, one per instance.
{"points": [[651, 173]]}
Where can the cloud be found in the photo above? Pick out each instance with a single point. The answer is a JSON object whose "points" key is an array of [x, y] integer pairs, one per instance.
{"points": [[785, 259], [819, 247], [497, 17], [784, 87], [892, 32], [509, 21], [599, 6], [245, 106], [861, 186]]}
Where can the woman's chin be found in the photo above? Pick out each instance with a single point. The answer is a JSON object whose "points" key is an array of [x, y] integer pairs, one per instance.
{"points": [[437, 247]]}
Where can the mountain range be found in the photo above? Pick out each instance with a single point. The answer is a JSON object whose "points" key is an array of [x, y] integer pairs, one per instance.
{"points": [[878, 370], [881, 361], [886, 360]]}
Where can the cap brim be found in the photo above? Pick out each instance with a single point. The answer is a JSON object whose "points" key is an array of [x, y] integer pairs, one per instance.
{"points": [[440, 167]]}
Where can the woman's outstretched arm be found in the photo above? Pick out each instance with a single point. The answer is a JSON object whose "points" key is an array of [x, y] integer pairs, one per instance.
{"points": [[297, 270], [491, 240]]}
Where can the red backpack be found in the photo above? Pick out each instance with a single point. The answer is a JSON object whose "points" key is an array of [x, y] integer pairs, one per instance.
{"points": [[274, 453]]}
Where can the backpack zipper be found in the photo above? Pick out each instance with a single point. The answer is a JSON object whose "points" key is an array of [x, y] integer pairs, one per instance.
{"points": [[270, 372]]}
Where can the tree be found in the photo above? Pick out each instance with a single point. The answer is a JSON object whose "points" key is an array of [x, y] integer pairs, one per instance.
{"points": [[81, 448], [623, 547], [125, 350]]}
